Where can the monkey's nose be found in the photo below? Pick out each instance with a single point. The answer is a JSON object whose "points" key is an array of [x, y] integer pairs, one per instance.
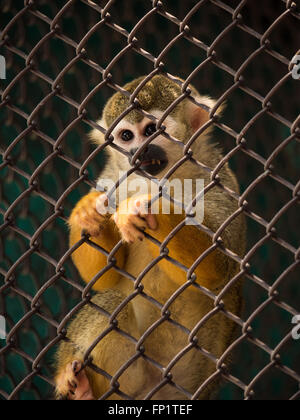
{"points": [[133, 151]]}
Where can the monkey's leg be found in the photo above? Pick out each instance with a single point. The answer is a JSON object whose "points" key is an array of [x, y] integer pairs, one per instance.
{"points": [[110, 354], [88, 260], [186, 246]]}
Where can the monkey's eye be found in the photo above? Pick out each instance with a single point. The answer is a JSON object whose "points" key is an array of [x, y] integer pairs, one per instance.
{"points": [[127, 135], [150, 129]]}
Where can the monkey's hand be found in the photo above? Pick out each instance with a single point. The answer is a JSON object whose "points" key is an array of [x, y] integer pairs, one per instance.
{"points": [[133, 218], [89, 214]]}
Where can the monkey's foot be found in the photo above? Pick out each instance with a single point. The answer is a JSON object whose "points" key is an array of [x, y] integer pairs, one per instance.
{"points": [[86, 215], [73, 384], [133, 218]]}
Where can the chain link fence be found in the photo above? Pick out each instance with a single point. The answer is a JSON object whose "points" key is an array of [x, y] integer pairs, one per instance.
{"points": [[64, 59]]}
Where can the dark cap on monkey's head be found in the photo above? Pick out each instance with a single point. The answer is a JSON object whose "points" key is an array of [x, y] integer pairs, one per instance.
{"points": [[159, 93]]}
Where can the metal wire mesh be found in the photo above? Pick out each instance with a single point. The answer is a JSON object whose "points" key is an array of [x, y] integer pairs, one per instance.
{"points": [[63, 61]]}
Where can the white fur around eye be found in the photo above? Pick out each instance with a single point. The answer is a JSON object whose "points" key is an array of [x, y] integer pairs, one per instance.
{"points": [[121, 127]]}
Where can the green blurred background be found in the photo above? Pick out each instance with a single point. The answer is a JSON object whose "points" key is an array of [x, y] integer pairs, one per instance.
{"points": [[270, 260]]}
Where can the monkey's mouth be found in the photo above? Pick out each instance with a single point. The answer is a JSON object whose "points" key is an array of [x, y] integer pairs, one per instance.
{"points": [[154, 160], [154, 167]]}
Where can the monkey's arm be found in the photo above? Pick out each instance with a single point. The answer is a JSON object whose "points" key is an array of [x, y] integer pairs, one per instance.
{"points": [[186, 246], [88, 260]]}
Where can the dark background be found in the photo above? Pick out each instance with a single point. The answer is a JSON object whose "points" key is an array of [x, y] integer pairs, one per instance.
{"points": [[268, 262]]}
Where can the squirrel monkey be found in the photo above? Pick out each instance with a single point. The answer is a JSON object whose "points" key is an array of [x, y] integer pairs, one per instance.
{"points": [[130, 221]]}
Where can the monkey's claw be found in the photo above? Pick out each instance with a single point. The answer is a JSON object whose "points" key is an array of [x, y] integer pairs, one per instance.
{"points": [[73, 384], [133, 218]]}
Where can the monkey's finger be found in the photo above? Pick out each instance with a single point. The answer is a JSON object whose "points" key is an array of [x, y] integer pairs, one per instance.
{"points": [[92, 225], [139, 221], [144, 221], [145, 212], [79, 386], [93, 230], [83, 391], [131, 233], [66, 382], [90, 222], [151, 221]]}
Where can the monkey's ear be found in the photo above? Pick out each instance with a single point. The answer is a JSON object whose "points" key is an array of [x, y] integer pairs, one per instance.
{"points": [[197, 115], [96, 136]]}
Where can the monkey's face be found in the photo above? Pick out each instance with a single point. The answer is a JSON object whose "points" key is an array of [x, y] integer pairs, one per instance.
{"points": [[133, 131], [161, 154]]}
